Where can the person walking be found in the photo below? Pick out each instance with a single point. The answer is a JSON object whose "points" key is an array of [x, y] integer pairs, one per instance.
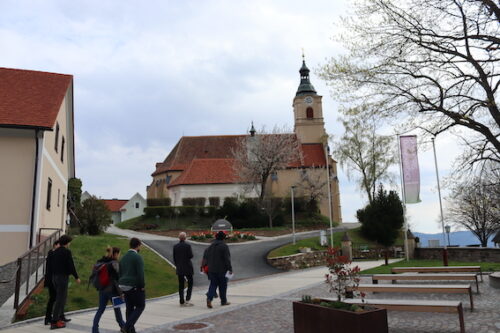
{"points": [[62, 267], [132, 284], [184, 268], [106, 293], [49, 284], [218, 260]]}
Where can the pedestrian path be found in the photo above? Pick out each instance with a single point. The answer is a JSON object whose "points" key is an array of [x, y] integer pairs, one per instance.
{"points": [[165, 312]]}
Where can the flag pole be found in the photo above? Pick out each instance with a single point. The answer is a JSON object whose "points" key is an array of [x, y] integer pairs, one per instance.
{"points": [[403, 196], [329, 193], [445, 249]]}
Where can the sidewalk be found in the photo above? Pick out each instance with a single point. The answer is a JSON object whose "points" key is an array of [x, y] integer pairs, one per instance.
{"points": [[162, 314]]}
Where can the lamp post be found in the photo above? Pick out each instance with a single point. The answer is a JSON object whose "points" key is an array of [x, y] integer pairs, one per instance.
{"points": [[447, 228], [327, 151], [445, 249], [293, 215]]}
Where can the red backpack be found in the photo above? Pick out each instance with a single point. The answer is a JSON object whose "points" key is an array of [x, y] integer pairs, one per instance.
{"points": [[100, 277]]}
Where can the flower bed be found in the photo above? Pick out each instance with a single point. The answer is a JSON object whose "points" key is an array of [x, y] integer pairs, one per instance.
{"points": [[231, 237]]}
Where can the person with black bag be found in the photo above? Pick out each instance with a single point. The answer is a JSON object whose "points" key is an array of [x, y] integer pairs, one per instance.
{"points": [[49, 284], [107, 285], [184, 268]]}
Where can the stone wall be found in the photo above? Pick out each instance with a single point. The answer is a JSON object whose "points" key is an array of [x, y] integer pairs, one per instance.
{"points": [[299, 260], [473, 254]]}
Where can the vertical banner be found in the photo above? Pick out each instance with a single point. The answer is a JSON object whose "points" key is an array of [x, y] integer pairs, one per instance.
{"points": [[409, 166]]}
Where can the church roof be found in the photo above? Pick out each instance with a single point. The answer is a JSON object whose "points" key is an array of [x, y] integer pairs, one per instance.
{"points": [[207, 171], [213, 148], [31, 98]]}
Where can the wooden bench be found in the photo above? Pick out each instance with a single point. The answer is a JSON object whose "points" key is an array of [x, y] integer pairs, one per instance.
{"points": [[416, 306], [414, 288], [428, 277], [438, 269]]}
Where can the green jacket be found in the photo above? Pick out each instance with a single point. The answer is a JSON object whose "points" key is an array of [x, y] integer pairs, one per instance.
{"points": [[132, 270]]}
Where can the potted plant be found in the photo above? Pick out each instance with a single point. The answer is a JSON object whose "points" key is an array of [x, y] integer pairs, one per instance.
{"points": [[333, 315]]}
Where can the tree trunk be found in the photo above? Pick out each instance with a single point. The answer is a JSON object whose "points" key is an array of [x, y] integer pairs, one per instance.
{"points": [[270, 221], [386, 256]]}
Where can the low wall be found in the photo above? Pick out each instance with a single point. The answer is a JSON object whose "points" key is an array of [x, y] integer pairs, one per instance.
{"points": [[299, 260], [474, 254]]}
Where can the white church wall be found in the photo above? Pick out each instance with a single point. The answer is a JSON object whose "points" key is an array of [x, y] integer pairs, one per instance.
{"points": [[177, 193]]}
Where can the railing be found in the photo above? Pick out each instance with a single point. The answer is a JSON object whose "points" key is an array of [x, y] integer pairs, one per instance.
{"points": [[29, 264]]}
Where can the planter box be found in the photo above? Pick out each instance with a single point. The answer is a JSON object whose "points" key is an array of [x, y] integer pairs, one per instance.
{"points": [[312, 318]]}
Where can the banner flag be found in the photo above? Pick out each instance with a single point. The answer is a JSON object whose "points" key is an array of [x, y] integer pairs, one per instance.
{"points": [[409, 166]]}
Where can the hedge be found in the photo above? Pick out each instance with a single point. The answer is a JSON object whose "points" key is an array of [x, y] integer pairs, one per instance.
{"points": [[159, 202], [180, 211], [200, 201]]}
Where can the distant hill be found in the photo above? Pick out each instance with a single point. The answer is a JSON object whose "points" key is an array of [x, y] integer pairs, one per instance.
{"points": [[461, 238]]}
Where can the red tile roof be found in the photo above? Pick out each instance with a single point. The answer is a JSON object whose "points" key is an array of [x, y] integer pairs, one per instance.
{"points": [[31, 98], [314, 155], [115, 205], [207, 171]]}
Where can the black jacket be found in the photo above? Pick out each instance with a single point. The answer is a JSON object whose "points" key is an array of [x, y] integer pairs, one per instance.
{"points": [[48, 269], [62, 262], [182, 258], [218, 257]]}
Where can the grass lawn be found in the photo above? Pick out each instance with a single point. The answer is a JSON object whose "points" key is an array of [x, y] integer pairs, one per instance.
{"points": [[160, 276], [313, 243], [485, 266]]}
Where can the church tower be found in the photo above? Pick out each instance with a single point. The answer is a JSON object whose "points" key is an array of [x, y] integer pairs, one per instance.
{"points": [[308, 110]]}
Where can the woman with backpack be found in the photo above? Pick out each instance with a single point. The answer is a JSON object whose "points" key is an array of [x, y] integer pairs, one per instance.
{"points": [[105, 275]]}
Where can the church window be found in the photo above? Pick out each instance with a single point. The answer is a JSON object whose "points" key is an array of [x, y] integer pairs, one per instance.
{"points": [[274, 176], [309, 113], [167, 179]]}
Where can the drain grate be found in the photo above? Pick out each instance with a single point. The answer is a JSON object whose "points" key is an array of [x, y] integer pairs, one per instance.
{"points": [[190, 326]]}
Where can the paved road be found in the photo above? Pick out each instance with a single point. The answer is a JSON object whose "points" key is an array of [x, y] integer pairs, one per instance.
{"points": [[248, 260]]}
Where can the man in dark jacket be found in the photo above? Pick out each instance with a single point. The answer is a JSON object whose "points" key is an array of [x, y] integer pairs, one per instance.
{"points": [[132, 284], [184, 268], [62, 266], [48, 283], [218, 259]]}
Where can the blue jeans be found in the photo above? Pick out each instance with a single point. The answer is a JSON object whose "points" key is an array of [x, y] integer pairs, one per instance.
{"points": [[217, 280], [104, 298]]}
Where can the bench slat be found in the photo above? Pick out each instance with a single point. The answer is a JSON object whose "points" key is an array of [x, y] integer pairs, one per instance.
{"points": [[426, 276]]}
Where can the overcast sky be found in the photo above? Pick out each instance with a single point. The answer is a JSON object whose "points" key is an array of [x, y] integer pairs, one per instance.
{"points": [[148, 72]]}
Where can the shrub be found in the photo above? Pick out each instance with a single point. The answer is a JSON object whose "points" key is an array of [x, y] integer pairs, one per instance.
{"points": [[94, 216], [194, 201], [154, 202], [214, 201]]}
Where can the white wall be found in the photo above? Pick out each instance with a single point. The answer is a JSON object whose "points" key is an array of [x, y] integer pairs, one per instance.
{"points": [[211, 190], [129, 210]]}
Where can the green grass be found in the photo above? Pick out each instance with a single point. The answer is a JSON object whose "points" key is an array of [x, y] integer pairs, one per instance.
{"points": [[354, 234], [160, 277], [485, 266]]}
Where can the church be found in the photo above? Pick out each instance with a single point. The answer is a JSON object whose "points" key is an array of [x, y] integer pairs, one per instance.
{"points": [[203, 166]]}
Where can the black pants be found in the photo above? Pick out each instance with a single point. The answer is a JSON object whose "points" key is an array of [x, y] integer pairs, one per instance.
{"points": [[135, 302], [189, 279], [61, 286], [50, 303]]}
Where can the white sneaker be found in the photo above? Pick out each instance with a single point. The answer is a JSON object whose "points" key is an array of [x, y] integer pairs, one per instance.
{"points": [[187, 304]]}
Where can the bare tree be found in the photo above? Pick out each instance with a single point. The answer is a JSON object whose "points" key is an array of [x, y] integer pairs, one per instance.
{"points": [[259, 156], [362, 153], [475, 204], [430, 64], [313, 186]]}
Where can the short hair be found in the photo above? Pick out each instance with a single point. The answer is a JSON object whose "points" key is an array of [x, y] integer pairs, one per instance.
{"points": [[220, 235], [182, 235], [64, 240], [56, 243], [135, 242]]}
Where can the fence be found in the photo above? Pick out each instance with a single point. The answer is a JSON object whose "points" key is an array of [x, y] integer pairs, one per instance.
{"points": [[31, 268]]}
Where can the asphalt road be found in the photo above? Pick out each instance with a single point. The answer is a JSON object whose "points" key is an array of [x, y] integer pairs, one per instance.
{"points": [[248, 259]]}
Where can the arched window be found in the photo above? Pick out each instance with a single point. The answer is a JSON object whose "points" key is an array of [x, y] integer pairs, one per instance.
{"points": [[309, 113]]}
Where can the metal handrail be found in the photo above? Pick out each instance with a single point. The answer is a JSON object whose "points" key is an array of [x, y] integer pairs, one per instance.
{"points": [[19, 274]]}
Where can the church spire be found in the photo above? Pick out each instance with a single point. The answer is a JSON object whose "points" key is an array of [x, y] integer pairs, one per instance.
{"points": [[305, 87]]}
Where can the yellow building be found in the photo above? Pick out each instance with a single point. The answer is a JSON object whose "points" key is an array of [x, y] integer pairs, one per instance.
{"points": [[203, 166], [36, 157]]}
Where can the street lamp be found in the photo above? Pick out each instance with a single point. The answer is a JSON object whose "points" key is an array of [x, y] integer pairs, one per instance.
{"points": [[447, 228], [293, 215]]}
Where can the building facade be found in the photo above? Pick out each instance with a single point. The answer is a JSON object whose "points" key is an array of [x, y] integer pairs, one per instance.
{"points": [[203, 166], [37, 157]]}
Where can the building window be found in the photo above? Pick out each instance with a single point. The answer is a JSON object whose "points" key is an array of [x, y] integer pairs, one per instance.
{"points": [[136, 205], [58, 194], [167, 179], [62, 149], [57, 137], [309, 113], [274, 176], [49, 193]]}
